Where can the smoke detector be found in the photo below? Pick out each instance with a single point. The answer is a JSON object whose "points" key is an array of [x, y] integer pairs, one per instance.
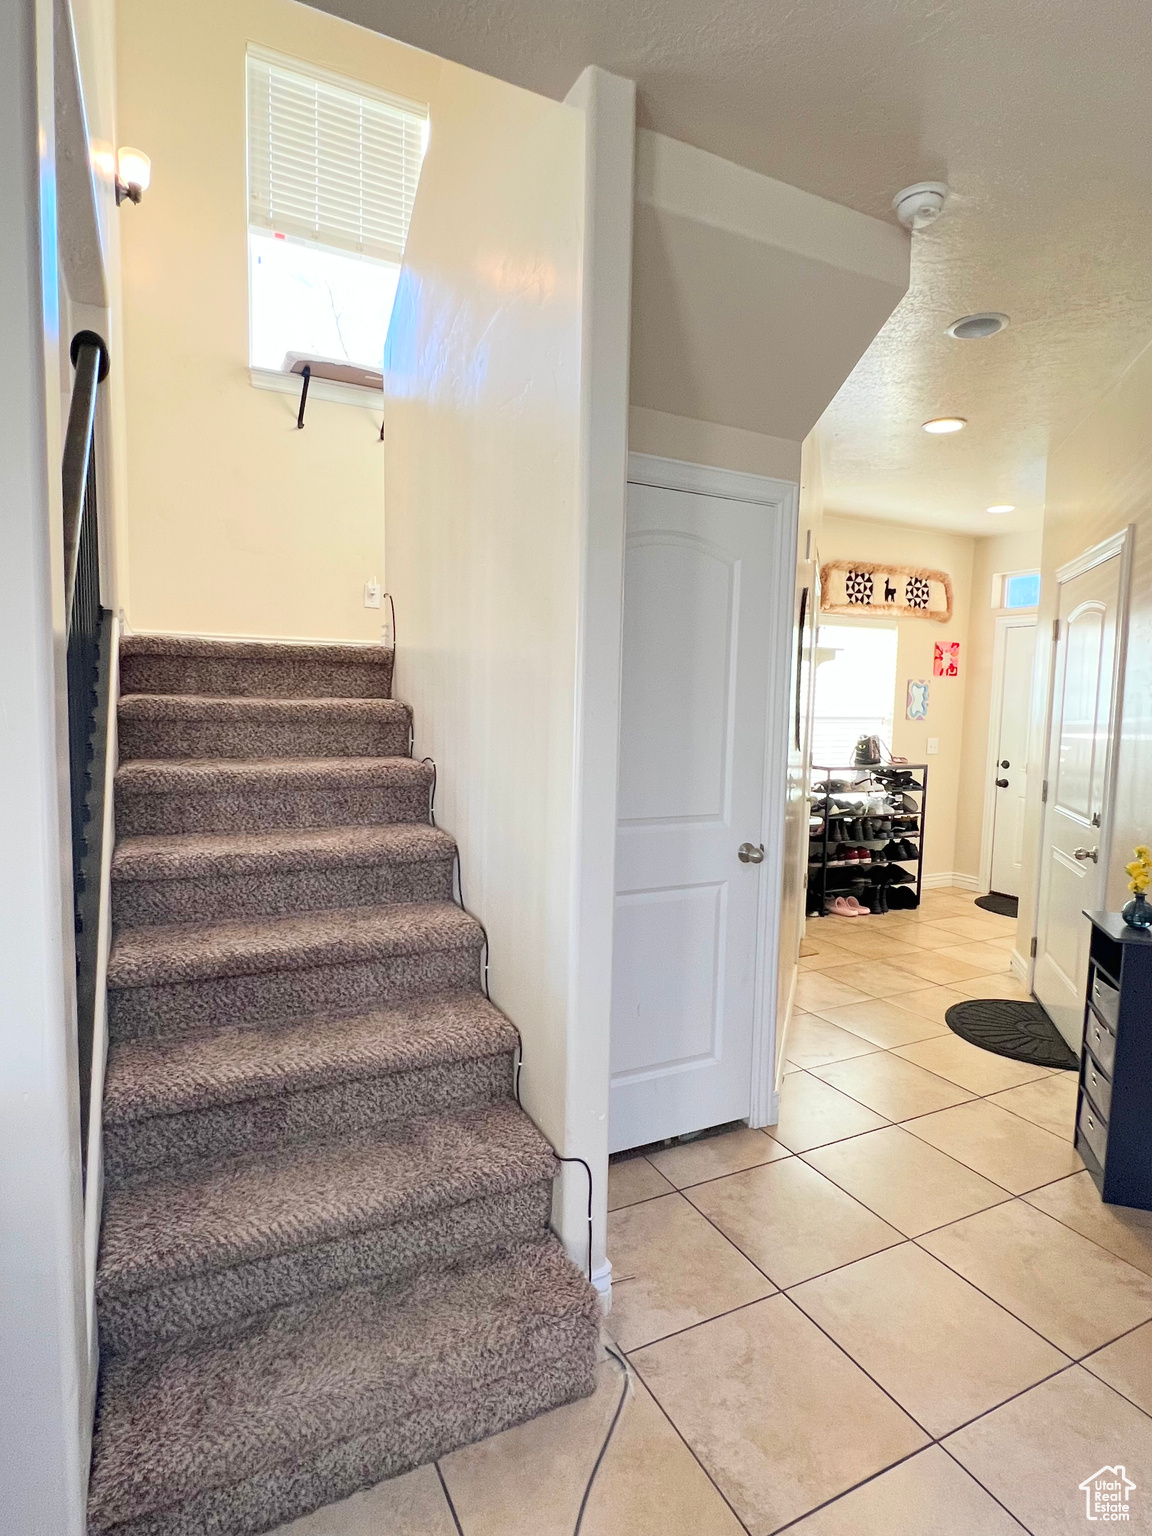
{"points": [[920, 205]]}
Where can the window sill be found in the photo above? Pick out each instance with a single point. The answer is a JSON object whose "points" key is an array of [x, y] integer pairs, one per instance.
{"points": [[318, 389]]}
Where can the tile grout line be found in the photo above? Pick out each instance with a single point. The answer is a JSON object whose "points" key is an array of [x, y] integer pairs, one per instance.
{"points": [[676, 1430]]}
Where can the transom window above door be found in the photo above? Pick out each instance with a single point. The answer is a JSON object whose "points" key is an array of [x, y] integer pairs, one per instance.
{"points": [[333, 167]]}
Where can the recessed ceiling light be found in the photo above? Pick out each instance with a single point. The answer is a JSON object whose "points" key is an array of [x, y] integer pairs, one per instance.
{"points": [[941, 424], [978, 327], [1004, 507]]}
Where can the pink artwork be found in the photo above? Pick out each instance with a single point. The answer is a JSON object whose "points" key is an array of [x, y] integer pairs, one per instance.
{"points": [[947, 661]]}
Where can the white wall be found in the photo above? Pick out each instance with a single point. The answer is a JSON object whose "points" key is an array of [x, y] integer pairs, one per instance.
{"points": [[43, 1378], [1100, 481], [483, 497]]}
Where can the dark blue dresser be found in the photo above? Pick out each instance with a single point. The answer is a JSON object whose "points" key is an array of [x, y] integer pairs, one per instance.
{"points": [[1114, 1113]]}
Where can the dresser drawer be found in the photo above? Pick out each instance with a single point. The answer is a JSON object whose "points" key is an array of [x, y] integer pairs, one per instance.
{"points": [[1099, 1085], [1106, 999], [1101, 1042], [1093, 1128]]}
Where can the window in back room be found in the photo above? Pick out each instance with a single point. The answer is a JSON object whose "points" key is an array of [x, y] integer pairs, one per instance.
{"points": [[1016, 589], [332, 172], [855, 690]]}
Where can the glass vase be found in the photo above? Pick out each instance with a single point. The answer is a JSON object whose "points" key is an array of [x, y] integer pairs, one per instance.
{"points": [[1138, 912]]}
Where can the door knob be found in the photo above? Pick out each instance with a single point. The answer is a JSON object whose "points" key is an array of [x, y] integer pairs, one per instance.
{"points": [[1001, 783], [750, 853], [1086, 853]]}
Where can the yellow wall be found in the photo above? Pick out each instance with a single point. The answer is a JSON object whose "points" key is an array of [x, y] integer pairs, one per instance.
{"points": [[845, 538], [707, 442], [483, 473], [1009, 552], [1100, 481], [237, 522]]}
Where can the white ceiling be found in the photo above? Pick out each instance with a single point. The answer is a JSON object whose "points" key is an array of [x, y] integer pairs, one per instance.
{"points": [[1036, 112]]}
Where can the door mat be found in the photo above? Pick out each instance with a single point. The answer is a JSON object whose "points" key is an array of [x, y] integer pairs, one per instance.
{"points": [[1022, 1031], [1003, 906]]}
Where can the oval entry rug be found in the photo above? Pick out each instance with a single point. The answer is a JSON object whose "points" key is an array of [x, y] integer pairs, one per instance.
{"points": [[1022, 1031]]}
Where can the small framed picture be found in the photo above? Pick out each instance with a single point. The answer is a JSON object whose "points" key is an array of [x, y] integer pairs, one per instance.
{"points": [[917, 708], [947, 661]]}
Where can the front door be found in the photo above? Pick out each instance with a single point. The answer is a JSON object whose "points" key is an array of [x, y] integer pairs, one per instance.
{"points": [[696, 659], [1072, 852], [1011, 754]]}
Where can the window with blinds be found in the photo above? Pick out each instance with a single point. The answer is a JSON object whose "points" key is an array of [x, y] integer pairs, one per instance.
{"points": [[332, 174]]}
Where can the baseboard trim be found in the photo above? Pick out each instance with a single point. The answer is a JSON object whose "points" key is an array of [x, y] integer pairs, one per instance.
{"points": [[602, 1285], [951, 877], [1019, 966]]}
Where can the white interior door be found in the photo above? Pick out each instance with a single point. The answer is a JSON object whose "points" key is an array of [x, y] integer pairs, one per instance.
{"points": [[1073, 852], [697, 645], [1011, 755]]}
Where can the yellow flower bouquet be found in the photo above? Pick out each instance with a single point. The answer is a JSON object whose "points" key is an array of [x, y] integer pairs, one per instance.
{"points": [[1138, 912]]}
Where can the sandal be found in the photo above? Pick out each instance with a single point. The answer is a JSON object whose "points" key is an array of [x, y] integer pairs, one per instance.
{"points": [[855, 908]]}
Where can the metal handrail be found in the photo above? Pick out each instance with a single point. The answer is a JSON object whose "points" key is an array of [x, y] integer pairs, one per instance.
{"points": [[89, 353]]}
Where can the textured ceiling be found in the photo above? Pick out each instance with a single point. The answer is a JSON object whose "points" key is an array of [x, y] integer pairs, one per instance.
{"points": [[1035, 112]]}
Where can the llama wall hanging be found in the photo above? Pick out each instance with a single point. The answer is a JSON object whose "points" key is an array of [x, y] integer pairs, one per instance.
{"points": [[885, 591]]}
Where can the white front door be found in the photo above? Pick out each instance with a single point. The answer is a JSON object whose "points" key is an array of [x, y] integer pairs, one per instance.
{"points": [[1073, 853], [698, 643], [1011, 754]]}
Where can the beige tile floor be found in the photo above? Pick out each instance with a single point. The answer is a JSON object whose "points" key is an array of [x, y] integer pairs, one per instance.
{"points": [[903, 1311]]}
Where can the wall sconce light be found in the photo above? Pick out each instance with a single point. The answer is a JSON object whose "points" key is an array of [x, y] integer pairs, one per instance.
{"points": [[133, 173]]}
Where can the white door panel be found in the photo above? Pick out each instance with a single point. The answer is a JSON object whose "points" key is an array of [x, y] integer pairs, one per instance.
{"points": [[1011, 758], [696, 658], [1076, 812]]}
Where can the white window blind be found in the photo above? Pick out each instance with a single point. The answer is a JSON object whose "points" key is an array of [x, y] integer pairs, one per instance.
{"points": [[329, 163]]}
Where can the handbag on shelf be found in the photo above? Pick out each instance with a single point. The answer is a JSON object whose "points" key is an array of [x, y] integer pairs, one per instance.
{"points": [[868, 752]]}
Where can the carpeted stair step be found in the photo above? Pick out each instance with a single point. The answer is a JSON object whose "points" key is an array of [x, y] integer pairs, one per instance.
{"points": [[254, 668], [200, 877], [216, 1244], [174, 978], [324, 1399], [157, 797], [188, 1098], [159, 725]]}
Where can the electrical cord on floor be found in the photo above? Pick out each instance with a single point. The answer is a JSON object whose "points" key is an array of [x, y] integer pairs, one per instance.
{"points": [[623, 1364]]}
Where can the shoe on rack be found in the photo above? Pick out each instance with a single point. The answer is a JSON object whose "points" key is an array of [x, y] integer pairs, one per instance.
{"points": [[894, 850], [900, 876], [856, 907], [910, 849], [836, 906], [909, 804]]}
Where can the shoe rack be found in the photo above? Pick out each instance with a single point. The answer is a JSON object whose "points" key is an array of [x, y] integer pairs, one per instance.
{"points": [[848, 855]]}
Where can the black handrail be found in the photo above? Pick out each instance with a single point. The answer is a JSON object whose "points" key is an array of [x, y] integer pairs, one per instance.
{"points": [[89, 630]]}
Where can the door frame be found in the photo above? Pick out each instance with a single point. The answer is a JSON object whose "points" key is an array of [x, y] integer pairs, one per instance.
{"points": [[1119, 543], [780, 497], [999, 650]]}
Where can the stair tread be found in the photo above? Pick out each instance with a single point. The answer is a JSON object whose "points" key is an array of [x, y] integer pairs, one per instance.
{"points": [[211, 1423], [333, 651], [201, 855], [208, 775], [176, 1074], [178, 952], [228, 706], [212, 1217]]}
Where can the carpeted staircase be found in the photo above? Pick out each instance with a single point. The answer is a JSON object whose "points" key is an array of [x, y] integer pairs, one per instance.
{"points": [[325, 1254]]}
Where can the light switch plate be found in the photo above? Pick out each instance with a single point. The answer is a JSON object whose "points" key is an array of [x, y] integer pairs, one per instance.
{"points": [[372, 591], [933, 745]]}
